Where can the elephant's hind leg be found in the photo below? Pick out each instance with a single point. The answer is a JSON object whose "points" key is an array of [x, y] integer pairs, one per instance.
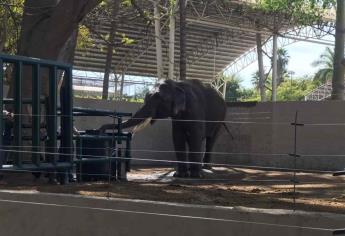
{"points": [[210, 141]]}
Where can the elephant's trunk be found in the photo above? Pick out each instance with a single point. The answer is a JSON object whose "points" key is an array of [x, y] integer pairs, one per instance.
{"points": [[132, 122], [141, 126], [140, 120]]}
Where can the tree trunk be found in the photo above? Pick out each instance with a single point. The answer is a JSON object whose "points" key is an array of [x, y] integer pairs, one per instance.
{"points": [[49, 33], [3, 31], [261, 68], [183, 54], [109, 59], [171, 41], [280, 71], [274, 68], [159, 56], [53, 26], [116, 84], [122, 85], [338, 72]]}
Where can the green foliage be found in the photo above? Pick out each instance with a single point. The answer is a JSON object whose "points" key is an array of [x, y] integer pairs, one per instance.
{"points": [[235, 92], [255, 80], [84, 40], [11, 12], [128, 98], [249, 95], [282, 64], [172, 7], [295, 89], [126, 3], [106, 10], [103, 3], [126, 40], [325, 63], [302, 11], [282, 70]]}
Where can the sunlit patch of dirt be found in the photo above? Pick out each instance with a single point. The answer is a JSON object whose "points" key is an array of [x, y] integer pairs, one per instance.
{"points": [[222, 186]]}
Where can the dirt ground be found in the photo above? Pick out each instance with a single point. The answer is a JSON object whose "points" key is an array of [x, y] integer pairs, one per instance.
{"points": [[221, 186]]}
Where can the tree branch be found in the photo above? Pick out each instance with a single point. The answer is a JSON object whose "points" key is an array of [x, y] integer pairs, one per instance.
{"points": [[141, 12]]}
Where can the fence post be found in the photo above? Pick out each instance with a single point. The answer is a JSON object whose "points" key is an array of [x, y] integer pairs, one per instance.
{"points": [[36, 113], [295, 156], [1, 115], [52, 115], [18, 117]]}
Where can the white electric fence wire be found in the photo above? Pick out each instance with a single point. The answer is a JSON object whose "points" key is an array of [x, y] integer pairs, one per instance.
{"points": [[164, 215], [171, 161], [326, 155], [230, 113], [206, 121], [160, 151]]}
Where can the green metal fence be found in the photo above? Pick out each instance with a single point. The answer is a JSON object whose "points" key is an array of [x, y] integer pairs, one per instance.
{"points": [[35, 66], [58, 148]]}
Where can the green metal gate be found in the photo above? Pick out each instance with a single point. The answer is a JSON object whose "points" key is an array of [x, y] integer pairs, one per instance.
{"points": [[59, 158], [51, 116]]}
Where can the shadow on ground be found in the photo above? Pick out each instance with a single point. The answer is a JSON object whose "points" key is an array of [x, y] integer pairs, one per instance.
{"points": [[221, 186]]}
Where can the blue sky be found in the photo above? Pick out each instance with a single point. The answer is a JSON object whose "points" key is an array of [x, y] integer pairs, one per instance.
{"points": [[302, 54]]}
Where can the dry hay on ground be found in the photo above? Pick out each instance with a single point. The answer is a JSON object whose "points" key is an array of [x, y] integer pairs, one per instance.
{"points": [[225, 187]]}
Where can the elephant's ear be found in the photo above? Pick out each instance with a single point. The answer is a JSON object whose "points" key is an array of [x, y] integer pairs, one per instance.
{"points": [[179, 100]]}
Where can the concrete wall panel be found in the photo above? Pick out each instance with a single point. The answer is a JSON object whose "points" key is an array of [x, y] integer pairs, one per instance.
{"points": [[262, 130]]}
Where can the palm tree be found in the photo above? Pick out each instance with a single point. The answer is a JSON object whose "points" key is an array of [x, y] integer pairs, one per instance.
{"points": [[233, 88], [325, 61], [268, 80], [282, 63]]}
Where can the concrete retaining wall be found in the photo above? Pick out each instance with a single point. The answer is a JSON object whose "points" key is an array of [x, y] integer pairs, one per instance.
{"points": [[272, 133], [259, 129], [33, 214]]}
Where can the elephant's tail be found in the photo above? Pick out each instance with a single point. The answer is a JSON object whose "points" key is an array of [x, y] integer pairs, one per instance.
{"points": [[227, 130]]}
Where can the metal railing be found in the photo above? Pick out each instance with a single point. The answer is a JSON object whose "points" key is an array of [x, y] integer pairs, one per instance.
{"points": [[92, 87], [321, 93]]}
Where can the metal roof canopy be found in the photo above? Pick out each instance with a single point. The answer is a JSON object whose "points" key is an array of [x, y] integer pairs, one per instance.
{"points": [[217, 34]]}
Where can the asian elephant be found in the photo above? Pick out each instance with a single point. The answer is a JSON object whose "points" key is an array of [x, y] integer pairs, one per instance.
{"points": [[197, 112]]}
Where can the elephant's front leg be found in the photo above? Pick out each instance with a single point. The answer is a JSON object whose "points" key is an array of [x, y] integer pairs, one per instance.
{"points": [[195, 153], [179, 139]]}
